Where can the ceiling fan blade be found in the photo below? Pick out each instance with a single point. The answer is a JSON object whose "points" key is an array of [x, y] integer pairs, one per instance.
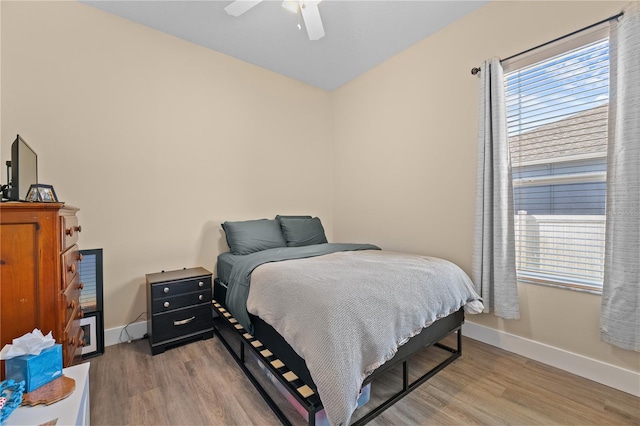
{"points": [[239, 7], [312, 20]]}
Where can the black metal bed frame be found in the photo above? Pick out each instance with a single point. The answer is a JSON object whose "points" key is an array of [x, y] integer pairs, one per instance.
{"points": [[305, 395]]}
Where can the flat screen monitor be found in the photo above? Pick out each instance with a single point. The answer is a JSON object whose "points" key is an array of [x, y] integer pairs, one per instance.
{"points": [[24, 169]]}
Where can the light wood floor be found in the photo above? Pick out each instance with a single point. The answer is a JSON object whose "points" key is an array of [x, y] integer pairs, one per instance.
{"points": [[199, 383]]}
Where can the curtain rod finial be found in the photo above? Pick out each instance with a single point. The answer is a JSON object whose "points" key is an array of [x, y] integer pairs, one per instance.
{"points": [[475, 70]]}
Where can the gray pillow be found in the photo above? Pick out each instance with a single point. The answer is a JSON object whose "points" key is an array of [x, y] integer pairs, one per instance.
{"points": [[278, 217], [250, 236], [302, 232]]}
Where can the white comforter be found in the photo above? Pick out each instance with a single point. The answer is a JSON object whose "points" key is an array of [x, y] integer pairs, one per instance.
{"points": [[347, 313]]}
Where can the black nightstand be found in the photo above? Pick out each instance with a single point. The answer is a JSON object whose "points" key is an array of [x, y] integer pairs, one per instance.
{"points": [[179, 307]]}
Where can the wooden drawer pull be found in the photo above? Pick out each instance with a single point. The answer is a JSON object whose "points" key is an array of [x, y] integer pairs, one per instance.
{"points": [[72, 268], [73, 229], [80, 314], [81, 286], [72, 341], [71, 305], [79, 257], [184, 321]]}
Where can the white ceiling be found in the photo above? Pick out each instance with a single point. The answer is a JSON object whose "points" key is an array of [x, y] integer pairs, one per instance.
{"points": [[359, 34]]}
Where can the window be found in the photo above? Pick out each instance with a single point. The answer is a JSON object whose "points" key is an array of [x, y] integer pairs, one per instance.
{"points": [[557, 107]]}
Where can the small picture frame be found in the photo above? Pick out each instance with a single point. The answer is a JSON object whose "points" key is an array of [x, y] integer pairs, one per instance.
{"points": [[91, 325], [42, 193]]}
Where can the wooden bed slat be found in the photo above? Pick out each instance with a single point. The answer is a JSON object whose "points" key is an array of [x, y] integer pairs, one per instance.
{"points": [[305, 391], [276, 363], [290, 376]]}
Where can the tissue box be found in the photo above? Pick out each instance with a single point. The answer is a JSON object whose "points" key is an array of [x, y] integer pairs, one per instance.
{"points": [[35, 370]]}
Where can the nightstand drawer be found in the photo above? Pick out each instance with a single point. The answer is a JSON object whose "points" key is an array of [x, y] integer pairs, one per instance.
{"points": [[181, 301], [182, 322], [174, 288]]}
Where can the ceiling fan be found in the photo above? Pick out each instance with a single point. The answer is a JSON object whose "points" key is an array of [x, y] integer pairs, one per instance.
{"points": [[307, 8]]}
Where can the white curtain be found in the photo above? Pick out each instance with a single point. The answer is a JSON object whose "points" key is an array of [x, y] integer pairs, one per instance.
{"points": [[620, 316], [494, 259]]}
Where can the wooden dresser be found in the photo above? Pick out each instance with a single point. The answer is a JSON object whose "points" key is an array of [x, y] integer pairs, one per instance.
{"points": [[39, 281]]}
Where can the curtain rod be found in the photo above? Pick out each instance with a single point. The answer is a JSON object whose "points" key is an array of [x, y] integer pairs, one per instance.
{"points": [[476, 70]]}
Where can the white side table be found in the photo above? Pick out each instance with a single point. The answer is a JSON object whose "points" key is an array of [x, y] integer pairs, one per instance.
{"points": [[73, 410]]}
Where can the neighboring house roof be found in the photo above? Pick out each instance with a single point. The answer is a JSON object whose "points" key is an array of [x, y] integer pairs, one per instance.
{"points": [[586, 130]]}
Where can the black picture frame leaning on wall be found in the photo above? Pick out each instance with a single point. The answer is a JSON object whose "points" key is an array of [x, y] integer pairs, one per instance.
{"points": [[91, 275], [90, 270], [93, 338]]}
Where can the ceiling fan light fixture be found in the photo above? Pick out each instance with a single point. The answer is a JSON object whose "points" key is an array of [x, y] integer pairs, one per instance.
{"points": [[307, 11], [291, 5]]}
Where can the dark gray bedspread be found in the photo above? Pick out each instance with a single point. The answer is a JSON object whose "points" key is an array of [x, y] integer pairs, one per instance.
{"points": [[240, 276], [225, 265]]}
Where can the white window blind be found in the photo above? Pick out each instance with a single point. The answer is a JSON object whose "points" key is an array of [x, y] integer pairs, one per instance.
{"points": [[557, 122]]}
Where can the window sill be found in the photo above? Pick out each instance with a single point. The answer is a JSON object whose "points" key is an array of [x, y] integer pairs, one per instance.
{"points": [[550, 281]]}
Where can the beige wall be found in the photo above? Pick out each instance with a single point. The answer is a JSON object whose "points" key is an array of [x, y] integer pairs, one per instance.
{"points": [[157, 140], [405, 153]]}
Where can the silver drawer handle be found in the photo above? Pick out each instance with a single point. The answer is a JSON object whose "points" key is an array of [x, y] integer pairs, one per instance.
{"points": [[200, 297], [166, 289], [166, 304], [184, 321], [200, 284]]}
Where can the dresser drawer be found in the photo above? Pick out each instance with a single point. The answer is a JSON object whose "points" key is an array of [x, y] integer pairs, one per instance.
{"points": [[70, 231], [70, 259], [72, 340], [173, 288], [181, 301], [182, 322], [71, 300]]}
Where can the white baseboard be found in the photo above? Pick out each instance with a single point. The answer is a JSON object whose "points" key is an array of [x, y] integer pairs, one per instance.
{"points": [[136, 330], [598, 371]]}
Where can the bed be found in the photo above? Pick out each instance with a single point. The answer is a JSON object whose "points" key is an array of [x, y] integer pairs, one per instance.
{"points": [[327, 318]]}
